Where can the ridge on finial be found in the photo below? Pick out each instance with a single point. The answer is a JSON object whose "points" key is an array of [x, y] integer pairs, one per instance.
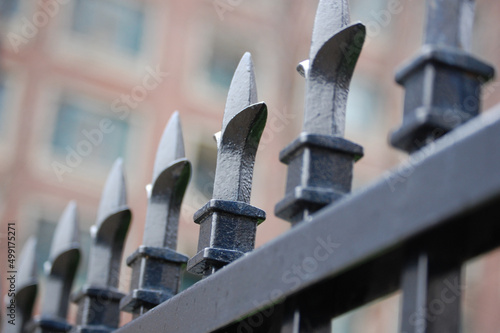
{"points": [[66, 235], [114, 194], [331, 17], [171, 147], [242, 91]]}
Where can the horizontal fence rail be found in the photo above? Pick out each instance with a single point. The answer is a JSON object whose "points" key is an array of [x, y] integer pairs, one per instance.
{"points": [[411, 231], [354, 237]]}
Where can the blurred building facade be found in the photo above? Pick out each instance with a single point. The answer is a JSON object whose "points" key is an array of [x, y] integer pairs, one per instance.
{"points": [[86, 81]]}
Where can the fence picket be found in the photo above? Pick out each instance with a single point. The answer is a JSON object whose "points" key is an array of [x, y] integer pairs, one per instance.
{"points": [[25, 291], [439, 84], [98, 301], [60, 271], [228, 222], [156, 266]]}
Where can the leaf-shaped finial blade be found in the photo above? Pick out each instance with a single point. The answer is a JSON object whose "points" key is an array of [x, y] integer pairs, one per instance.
{"points": [[331, 16], [171, 177], [27, 264], [242, 91], [62, 264], [114, 195], [66, 235], [171, 147], [108, 235]]}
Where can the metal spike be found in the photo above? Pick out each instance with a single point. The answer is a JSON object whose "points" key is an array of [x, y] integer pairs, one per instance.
{"points": [[26, 290], [60, 270], [331, 17], [171, 167], [450, 22], [227, 222], [242, 91], [321, 160], [171, 147], [156, 265], [335, 48], [242, 127], [440, 83], [98, 301]]}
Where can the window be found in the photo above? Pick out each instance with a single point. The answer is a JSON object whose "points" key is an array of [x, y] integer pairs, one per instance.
{"points": [[110, 24], [204, 169], [223, 61], [8, 8], [82, 130]]}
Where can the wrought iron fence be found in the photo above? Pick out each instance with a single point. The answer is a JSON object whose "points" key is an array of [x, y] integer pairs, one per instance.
{"points": [[409, 232]]}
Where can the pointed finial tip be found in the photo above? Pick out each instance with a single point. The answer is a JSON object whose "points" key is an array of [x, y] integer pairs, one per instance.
{"points": [[66, 235], [171, 147], [114, 194], [247, 62], [331, 17], [242, 91], [27, 263], [118, 163]]}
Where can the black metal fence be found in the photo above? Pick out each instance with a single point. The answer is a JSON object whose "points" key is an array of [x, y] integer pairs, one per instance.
{"points": [[411, 231]]}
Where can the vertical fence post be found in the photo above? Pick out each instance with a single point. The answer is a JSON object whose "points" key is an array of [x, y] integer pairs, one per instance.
{"points": [[320, 161], [19, 308], [228, 222], [60, 271], [98, 301], [156, 266], [443, 85]]}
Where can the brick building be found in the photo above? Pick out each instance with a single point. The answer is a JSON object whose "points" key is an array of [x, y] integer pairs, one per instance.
{"points": [[86, 81]]}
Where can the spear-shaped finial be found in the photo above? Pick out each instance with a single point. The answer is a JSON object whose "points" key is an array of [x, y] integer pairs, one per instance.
{"points": [[60, 270], [98, 301], [227, 222], [443, 83], [20, 306], [156, 265], [321, 160]]}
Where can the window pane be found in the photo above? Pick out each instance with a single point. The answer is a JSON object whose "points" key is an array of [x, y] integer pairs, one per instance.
{"points": [[8, 8], [79, 130], [226, 53], [110, 24], [204, 169]]}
